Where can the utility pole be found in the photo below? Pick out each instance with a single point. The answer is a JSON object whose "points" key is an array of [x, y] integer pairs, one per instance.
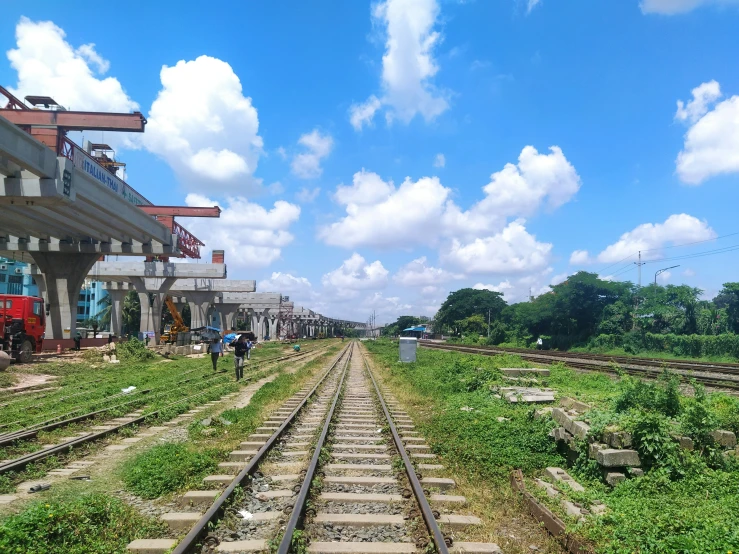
{"points": [[638, 290], [662, 271], [488, 322]]}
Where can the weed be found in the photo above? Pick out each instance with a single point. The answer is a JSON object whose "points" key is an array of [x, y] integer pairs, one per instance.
{"points": [[167, 468], [91, 524]]}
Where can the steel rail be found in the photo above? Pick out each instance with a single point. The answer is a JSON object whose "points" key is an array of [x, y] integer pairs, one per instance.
{"points": [[22, 461], [217, 508], [648, 372], [297, 513], [426, 511]]}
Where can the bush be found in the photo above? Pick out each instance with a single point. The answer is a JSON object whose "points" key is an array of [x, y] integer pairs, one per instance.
{"points": [[726, 344], [90, 524], [133, 350], [662, 396], [168, 468]]}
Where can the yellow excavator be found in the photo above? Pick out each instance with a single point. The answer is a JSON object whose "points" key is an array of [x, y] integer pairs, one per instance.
{"points": [[172, 329]]}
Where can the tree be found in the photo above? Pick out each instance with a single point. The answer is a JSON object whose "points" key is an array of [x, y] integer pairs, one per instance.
{"points": [[406, 321], [91, 323], [473, 325], [106, 308], [464, 303], [131, 313], [728, 298]]}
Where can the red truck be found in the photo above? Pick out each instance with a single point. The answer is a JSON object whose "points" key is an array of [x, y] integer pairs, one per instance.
{"points": [[22, 327]]}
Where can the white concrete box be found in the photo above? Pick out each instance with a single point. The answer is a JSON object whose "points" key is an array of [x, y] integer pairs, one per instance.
{"points": [[408, 347]]}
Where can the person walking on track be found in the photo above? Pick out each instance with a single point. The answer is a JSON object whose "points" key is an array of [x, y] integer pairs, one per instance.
{"points": [[240, 350], [216, 350], [249, 346]]}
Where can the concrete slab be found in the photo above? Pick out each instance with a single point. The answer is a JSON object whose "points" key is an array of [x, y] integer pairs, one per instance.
{"points": [[359, 520], [457, 521], [362, 548], [151, 546], [181, 521], [358, 467], [360, 497], [475, 548], [117, 447], [254, 545]]}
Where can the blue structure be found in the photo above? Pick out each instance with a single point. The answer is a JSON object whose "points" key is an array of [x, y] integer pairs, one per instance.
{"points": [[13, 279], [88, 302]]}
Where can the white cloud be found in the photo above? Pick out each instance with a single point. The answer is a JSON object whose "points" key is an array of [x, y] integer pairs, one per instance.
{"points": [[530, 5], [363, 114], [515, 191], [689, 273], [281, 152], [664, 276], [651, 237], [285, 283], [404, 212], [580, 257], [276, 188], [251, 235], [500, 287], [204, 127], [308, 164], [518, 190], [308, 195], [439, 160], [513, 250], [557, 279], [703, 96], [355, 274], [712, 142], [48, 65], [418, 274], [672, 7], [408, 64]]}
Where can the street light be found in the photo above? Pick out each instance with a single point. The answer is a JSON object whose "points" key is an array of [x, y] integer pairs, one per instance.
{"points": [[662, 271]]}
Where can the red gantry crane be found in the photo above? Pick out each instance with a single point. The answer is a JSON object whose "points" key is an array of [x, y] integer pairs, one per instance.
{"points": [[51, 125]]}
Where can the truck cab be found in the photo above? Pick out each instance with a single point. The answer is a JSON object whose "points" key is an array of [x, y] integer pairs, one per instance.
{"points": [[22, 326]]}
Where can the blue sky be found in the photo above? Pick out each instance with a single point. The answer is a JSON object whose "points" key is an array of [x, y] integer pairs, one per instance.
{"points": [[349, 142]]}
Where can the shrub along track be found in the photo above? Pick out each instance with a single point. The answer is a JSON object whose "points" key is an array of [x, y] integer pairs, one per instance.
{"points": [[708, 373], [296, 489], [212, 385]]}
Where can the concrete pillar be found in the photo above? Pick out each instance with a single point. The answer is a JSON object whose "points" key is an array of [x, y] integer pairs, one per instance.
{"points": [[273, 320], [151, 296], [63, 275], [200, 303], [117, 293]]}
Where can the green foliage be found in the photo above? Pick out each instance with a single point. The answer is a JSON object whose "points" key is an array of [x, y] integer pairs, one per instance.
{"points": [[662, 396], [464, 303], [728, 298], [167, 468], [651, 432], [694, 346], [473, 325], [698, 420], [131, 313], [133, 350], [90, 524]]}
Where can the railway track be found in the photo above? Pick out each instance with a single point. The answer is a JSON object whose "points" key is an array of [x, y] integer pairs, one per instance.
{"points": [[213, 385], [333, 471], [716, 375]]}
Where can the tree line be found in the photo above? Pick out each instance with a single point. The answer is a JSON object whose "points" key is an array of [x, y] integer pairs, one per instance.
{"points": [[586, 311]]}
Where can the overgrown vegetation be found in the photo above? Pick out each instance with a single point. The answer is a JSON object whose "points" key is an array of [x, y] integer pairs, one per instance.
{"points": [[169, 467], [686, 502], [91, 524]]}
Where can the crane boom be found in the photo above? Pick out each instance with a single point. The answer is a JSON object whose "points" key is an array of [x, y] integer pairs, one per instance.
{"points": [[171, 331]]}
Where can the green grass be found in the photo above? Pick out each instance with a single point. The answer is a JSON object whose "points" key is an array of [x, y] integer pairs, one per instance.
{"points": [[7, 379], [652, 354], [169, 467], [688, 502], [90, 524]]}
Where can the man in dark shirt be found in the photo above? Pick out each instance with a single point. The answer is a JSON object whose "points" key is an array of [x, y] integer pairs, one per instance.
{"points": [[240, 350]]}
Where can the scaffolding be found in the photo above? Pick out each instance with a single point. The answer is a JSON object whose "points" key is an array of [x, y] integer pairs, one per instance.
{"points": [[286, 319]]}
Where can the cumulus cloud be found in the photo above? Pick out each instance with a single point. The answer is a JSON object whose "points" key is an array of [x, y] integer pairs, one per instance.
{"points": [[285, 283], [408, 64], [521, 288], [439, 160], [251, 235], [651, 237], [204, 127], [672, 7], [403, 210], [513, 250], [664, 277], [580, 257], [500, 287], [418, 273], [517, 190], [307, 165], [362, 114], [308, 195], [712, 141], [49, 65], [355, 274]]}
